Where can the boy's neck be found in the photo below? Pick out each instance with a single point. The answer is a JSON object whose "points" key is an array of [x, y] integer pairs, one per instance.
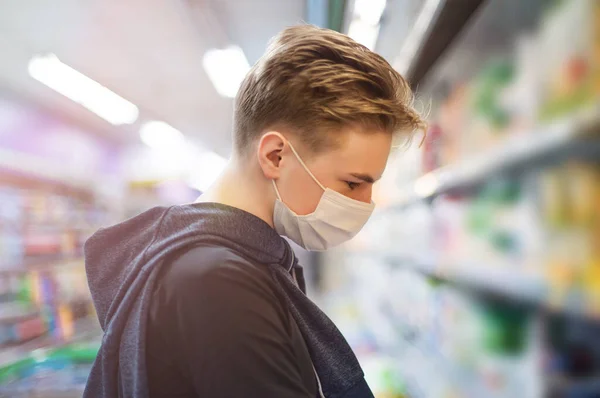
{"points": [[242, 187]]}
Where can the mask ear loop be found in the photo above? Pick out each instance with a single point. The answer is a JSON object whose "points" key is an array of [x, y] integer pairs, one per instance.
{"points": [[304, 165]]}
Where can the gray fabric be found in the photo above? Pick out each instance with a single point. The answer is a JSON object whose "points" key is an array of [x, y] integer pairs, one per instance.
{"points": [[122, 264]]}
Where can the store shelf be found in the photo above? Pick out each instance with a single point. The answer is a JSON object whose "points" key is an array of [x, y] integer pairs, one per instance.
{"points": [[586, 385], [28, 166], [15, 317], [500, 281], [516, 154], [518, 286], [446, 21], [84, 329], [504, 282], [52, 264]]}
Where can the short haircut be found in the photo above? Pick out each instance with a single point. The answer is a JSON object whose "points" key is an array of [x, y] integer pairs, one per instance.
{"points": [[313, 82]]}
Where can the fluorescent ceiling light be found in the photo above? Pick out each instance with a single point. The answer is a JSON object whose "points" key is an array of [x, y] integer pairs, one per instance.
{"points": [[49, 70], [365, 24], [415, 37], [161, 136], [226, 69], [369, 11], [172, 156], [364, 33], [206, 169]]}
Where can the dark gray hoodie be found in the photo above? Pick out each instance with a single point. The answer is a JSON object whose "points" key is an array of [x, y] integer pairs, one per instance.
{"points": [[123, 262]]}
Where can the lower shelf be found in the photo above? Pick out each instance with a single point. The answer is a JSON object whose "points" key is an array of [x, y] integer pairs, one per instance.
{"points": [[84, 328]]}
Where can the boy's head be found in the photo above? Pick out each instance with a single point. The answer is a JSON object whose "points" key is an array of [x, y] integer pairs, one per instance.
{"points": [[334, 102]]}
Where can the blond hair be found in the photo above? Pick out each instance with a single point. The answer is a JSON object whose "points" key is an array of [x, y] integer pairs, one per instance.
{"points": [[315, 81]]}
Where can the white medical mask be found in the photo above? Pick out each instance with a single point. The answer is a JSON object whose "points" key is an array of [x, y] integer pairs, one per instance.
{"points": [[336, 219]]}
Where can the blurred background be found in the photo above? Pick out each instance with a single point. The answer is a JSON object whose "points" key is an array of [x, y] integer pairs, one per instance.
{"points": [[479, 273]]}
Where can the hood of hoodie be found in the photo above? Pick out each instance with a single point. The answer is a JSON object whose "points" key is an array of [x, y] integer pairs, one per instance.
{"points": [[115, 256]]}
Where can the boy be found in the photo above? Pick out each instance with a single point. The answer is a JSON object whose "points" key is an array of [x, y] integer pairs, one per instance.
{"points": [[207, 299]]}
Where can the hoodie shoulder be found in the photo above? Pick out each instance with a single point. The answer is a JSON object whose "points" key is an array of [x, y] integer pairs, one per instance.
{"points": [[208, 275], [204, 258], [216, 319], [210, 264]]}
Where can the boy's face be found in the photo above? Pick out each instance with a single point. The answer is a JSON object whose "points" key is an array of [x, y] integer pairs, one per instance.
{"points": [[350, 168]]}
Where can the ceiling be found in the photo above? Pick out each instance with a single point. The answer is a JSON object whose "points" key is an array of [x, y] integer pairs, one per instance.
{"points": [[150, 52], [147, 51]]}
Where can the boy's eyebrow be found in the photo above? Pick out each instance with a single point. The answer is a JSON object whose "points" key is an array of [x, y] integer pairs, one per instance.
{"points": [[364, 177]]}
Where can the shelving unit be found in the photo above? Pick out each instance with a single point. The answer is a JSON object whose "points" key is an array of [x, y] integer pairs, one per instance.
{"points": [[17, 316], [83, 329], [51, 211], [528, 289], [27, 167], [446, 25], [487, 259], [519, 153], [43, 265]]}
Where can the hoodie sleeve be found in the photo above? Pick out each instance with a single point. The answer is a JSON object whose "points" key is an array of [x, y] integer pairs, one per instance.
{"points": [[224, 331]]}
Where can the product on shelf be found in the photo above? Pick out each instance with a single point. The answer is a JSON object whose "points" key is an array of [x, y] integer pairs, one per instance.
{"points": [[55, 373], [569, 203], [43, 286], [571, 58], [550, 73], [421, 327]]}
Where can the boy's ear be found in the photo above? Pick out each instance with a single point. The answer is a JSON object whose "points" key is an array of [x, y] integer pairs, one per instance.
{"points": [[269, 153]]}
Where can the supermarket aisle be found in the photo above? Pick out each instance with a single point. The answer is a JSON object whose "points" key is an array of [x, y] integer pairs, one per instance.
{"points": [[481, 264]]}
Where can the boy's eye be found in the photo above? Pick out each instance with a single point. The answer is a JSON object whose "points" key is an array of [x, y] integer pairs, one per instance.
{"points": [[353, 185]]}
